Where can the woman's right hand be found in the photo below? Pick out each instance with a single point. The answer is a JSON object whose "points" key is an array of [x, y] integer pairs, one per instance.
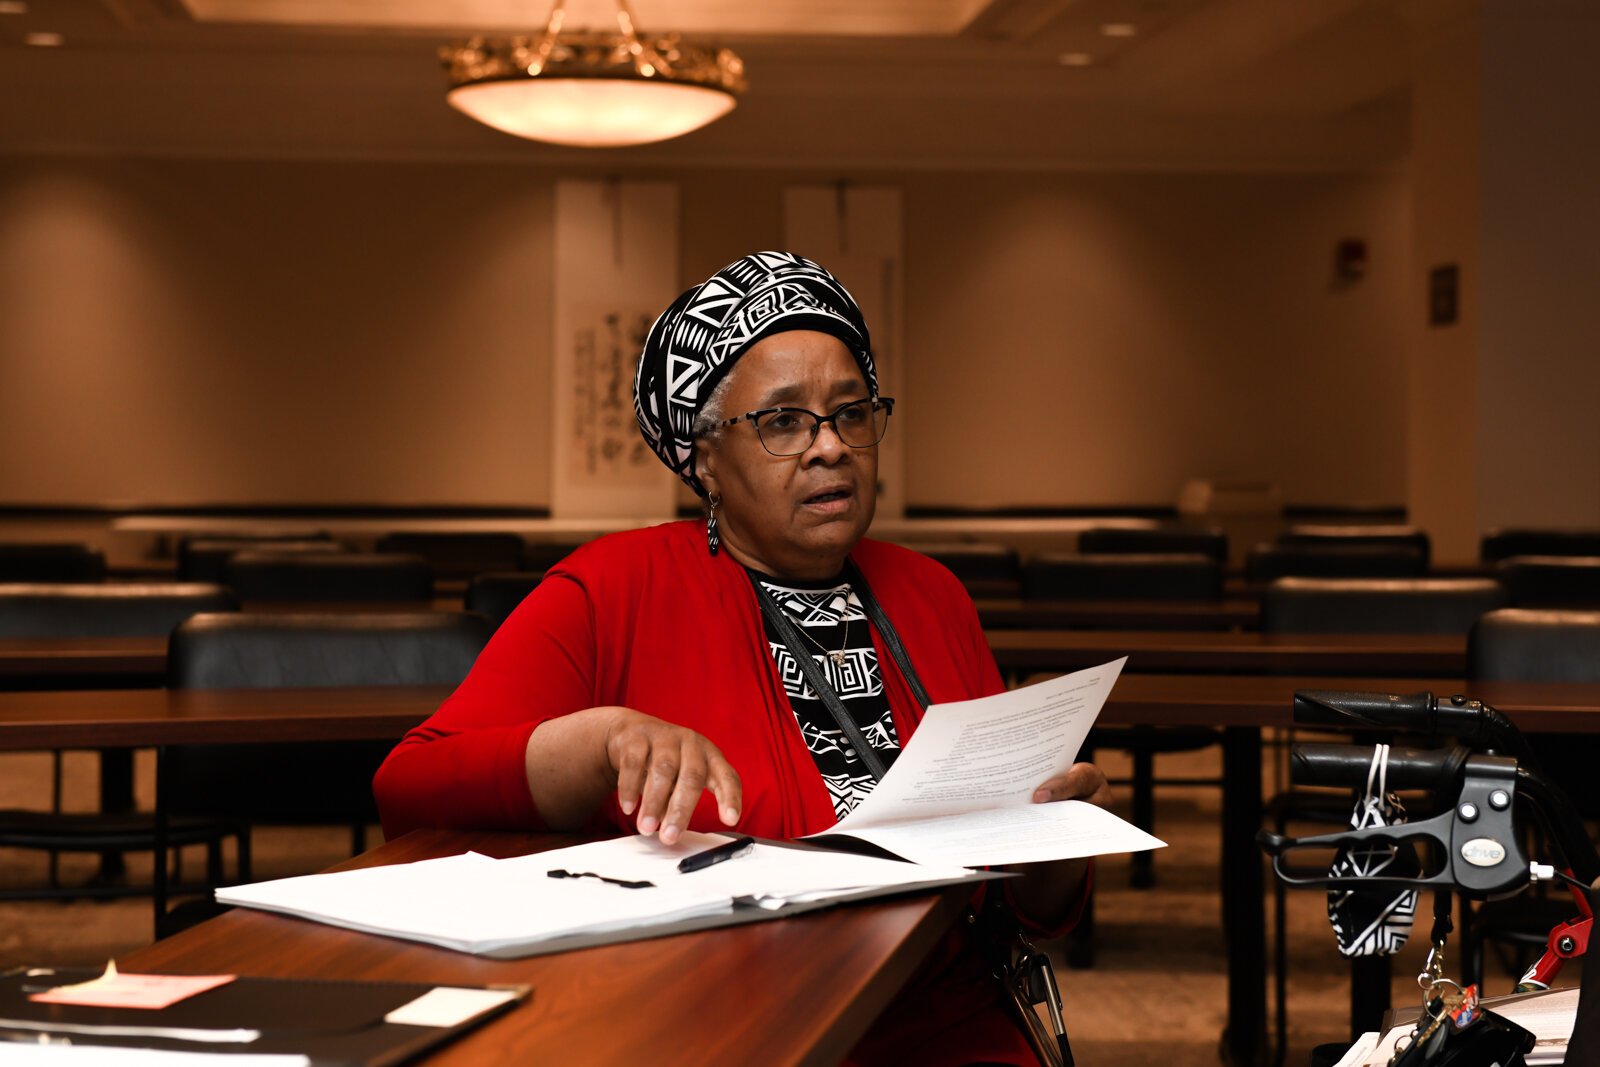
{"points": [[662, 769]]}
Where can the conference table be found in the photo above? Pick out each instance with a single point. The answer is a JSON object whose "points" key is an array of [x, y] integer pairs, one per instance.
{"points": [[1016, 613], [32, 662], [69, 662], [1239, 705], [1195, 652], [799, 990]]}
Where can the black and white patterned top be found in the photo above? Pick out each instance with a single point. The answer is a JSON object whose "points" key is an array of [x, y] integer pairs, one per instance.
{"points": [[833, 625]]}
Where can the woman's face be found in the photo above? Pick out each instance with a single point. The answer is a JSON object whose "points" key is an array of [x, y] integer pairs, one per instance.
{"points": [[791, 516]]}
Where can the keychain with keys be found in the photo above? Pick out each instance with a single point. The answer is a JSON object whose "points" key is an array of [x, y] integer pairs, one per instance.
{"points": [[1455, 1030]]}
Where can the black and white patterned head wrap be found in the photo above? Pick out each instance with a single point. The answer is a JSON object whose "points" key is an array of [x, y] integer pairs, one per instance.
{"points": [[696, 341]]}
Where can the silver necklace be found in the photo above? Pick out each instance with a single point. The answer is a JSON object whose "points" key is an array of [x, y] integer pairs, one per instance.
{"points": [[844, 617]]}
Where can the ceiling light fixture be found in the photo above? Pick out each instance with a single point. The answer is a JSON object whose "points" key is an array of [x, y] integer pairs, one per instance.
{"points": [[13, 7], [1075, 59], [593, 90], [1119, 29], [44, 40]]}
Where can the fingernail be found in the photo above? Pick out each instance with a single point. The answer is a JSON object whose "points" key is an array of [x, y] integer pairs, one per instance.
{"points": [[730, 816], [669, 834], [627, 807], [647, 824], [1041, 796]]}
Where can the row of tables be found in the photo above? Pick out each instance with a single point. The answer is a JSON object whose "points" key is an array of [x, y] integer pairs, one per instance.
{"points": [[27, 661], [1239, 682]]}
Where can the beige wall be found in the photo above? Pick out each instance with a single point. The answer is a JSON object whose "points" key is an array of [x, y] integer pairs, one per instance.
{"points": [[1505, 161], [183, 331], [1110, 336], [1540, 233], [1442, 448]]}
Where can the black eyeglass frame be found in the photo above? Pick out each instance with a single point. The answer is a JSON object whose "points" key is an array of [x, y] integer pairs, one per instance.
{"points": [[875, 404]]}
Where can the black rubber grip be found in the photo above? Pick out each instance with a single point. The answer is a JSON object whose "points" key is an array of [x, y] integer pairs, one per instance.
{"points": [[1347, 766], [1387, 711]]}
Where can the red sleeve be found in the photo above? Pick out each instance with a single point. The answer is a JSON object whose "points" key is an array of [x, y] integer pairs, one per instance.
{"points": [[464, 768]]}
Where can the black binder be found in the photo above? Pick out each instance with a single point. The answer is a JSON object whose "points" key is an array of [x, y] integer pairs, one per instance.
{"points": [[335, 1023]]}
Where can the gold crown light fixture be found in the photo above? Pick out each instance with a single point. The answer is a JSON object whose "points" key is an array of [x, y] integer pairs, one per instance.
{"points": [[592, 89]]}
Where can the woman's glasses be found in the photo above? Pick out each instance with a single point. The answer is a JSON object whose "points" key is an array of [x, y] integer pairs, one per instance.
{"points": [[790, 431]]}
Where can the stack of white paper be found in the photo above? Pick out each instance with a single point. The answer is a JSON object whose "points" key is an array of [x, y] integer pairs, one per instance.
{"points": [[476, 904]]}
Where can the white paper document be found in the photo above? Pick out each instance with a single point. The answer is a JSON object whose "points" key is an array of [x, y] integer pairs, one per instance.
{"points": [[476, 904], [17, 1054], [961, 791]]}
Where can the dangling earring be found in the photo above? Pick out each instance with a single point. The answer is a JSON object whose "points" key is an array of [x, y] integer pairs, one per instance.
{"points": [[713, 538]]}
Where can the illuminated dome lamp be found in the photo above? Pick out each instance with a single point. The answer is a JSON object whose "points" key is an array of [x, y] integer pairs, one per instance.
{"points": [[592, 90]]}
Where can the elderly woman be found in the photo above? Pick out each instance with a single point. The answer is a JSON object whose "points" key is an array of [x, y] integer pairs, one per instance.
{"points": [[758, 671]]}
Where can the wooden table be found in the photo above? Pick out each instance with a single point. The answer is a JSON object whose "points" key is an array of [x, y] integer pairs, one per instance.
{"points": [[58, 662], [1014, 613], [142, 718], [124, 719], [1241, 706], [28, 662], [1435, 655], [792, 991]]}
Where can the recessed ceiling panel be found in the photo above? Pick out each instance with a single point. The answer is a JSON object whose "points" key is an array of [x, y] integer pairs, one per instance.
{"points": [[813, 18]]}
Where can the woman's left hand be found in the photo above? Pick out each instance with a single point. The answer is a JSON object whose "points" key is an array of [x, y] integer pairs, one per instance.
{"points": [[1083, 781]]}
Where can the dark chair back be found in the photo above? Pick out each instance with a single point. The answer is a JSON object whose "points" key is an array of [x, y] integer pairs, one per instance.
{"points": [[1269, 561], [969, 560], [1551, 581], [1356, 534], [1502, 544], [204, 559], [496, 595], [458, 555], [143, 609], [328, 577], [542, 555], [1523, 645], [1206, 541], [1378, 605], [1105, 576], [311, 783], [51, 562]]}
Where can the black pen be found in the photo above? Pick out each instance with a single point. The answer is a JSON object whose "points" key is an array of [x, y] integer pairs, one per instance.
{"points": [[701, 860]]}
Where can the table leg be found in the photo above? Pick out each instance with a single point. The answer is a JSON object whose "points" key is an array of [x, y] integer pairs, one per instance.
{"points": [[159, 881], [116, 798], [1243, 911]]}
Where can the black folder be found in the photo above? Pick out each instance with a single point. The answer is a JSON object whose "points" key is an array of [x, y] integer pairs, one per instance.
{"points": [[335, 1023]]}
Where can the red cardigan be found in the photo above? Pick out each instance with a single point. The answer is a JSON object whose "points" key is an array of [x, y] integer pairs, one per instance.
{"points": [[652, 621]]}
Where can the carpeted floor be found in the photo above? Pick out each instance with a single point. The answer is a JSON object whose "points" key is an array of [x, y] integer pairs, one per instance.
{"points": [[1155, 996]]}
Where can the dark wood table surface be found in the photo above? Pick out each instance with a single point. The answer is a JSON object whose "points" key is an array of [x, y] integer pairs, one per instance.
{"points": [[24, 662], [154, 717], [1014, 613], [30, 660], [792, 991], [1438, 655]]}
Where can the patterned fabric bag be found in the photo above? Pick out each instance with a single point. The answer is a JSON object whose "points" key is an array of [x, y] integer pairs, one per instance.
{"points": [[1374, 921]]}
